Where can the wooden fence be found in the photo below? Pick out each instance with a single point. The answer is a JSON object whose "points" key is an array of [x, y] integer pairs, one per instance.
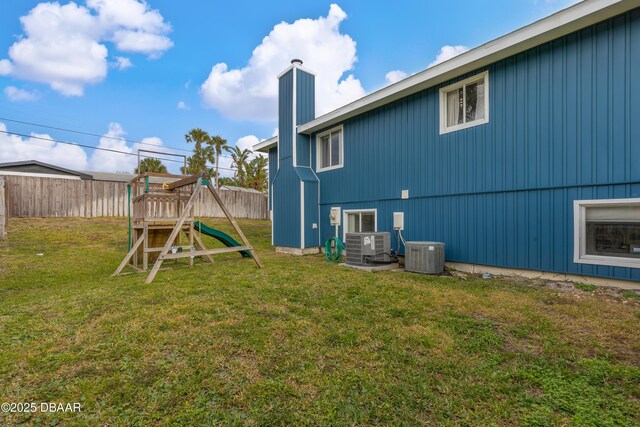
{"points": [[4, 217], [51, 197]]}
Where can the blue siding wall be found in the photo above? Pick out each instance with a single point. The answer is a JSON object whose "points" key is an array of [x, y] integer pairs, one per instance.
{"points": [[287, 191], [286, 187], [285, 116], [563, 125], [286, 206], [305, 111], [273, 168], [311, 235]]}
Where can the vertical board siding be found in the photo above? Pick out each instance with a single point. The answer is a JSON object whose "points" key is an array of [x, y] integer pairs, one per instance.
{"points": [[311, 214], [305, 111], [286, 206], [286, 186], [50, 197], [285, 116], [273, 168], [4, 216], [286, 197], [563, 125]]}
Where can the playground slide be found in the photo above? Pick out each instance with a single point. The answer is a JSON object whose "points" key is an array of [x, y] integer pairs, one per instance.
{"points": [[217, 234]]}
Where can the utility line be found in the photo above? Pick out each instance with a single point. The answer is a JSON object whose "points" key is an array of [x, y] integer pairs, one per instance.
{"points": [[97, 135], [98, 148]]}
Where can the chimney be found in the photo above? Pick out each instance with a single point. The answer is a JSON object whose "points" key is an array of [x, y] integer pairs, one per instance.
{"points": [[296, 105]]}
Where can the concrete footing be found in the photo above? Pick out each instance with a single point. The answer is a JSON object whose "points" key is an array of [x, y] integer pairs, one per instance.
{"points": [[374, 268], [297, 251], [533, 274]]}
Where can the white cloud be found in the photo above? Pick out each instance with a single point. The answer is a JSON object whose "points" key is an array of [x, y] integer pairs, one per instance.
{"points": [[15, 94], [15, 148], [42, 147], [250, 93], [5, 67], [447, 52], [182, 105], [116, 162], [247, 143], [122, 63], [275, 132], [133, 26], [395, 76], [63, 45]]}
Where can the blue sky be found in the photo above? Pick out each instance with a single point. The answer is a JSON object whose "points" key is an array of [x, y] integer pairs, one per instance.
{"points": [[172, 47]]}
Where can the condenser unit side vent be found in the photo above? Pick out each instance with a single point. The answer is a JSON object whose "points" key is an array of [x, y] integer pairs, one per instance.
{"points": [[424, 257], [368, 248]]}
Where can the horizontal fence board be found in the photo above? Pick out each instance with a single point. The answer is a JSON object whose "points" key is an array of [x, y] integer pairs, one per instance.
{"points": [[36, 197]]}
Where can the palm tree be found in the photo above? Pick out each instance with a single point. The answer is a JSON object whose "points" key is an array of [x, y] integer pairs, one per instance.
{"points": [[219, 144], [151, 164], [202, 152], [239, 160], [257, 173]]}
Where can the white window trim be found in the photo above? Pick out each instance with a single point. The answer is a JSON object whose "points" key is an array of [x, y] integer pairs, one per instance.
{"points": [[457, 85], [579, 234], [318, 150], [345, 212]]}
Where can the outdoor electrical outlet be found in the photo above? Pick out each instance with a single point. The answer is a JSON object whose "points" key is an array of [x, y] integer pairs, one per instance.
{"points": [[398, 221], [334, 216]]}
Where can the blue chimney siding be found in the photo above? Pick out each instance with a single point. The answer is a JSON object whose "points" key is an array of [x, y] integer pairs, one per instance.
{"points": [[294, 185], [563, 125]]}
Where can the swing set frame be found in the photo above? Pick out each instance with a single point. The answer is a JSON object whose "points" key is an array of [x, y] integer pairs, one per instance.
{"points": [[158, 208]]}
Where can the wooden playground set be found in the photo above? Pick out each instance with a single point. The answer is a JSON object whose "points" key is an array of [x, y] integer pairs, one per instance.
{"points": [[161, 216]]}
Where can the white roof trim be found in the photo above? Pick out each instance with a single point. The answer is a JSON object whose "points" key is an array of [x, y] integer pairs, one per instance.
{"points": [[561, 23], [264, 146], [39, 175], [299, 67]]}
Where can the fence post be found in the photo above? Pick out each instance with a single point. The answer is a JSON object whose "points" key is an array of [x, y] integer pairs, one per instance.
{"points": [[4, 214]]}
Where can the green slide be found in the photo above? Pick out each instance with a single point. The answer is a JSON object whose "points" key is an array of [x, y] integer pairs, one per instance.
{"points": [[217, 234]]}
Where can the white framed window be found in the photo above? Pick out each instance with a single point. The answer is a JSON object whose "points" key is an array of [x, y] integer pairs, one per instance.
{"points": [[330, 149], [607, 232], [359, 221], [465, 103]]}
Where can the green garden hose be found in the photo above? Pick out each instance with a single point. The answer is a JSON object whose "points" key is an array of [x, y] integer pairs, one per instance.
{"points": [[333, 252]]}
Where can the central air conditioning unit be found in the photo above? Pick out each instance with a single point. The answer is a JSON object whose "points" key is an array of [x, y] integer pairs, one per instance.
{"points": [[368, 248], [424, 257]]}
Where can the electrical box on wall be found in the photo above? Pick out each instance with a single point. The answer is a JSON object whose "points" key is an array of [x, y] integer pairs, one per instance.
{"points": [[404, 194], [398, 221], [334, 216]]}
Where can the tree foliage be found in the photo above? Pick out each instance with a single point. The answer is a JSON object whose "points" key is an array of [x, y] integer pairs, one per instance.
{"points": [[203, 153], [257, 174], [248, 172], [239, 160], [219, 144], [150, 164]]}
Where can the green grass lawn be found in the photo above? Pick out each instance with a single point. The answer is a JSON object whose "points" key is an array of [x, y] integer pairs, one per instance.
{"points": [[300, 342]]}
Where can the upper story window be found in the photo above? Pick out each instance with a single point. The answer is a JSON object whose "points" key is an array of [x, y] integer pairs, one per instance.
{"points": [[330, 149], [465, 103], [607, 232]]}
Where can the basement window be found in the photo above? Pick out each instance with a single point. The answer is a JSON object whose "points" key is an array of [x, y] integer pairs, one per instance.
{"points": [[359, 221], [465, 103], [330, 149], [607, 232]]}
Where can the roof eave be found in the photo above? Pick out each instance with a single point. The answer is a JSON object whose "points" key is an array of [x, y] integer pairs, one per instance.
{"points": [[266, 145], [561, 23], [47, 165]]}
